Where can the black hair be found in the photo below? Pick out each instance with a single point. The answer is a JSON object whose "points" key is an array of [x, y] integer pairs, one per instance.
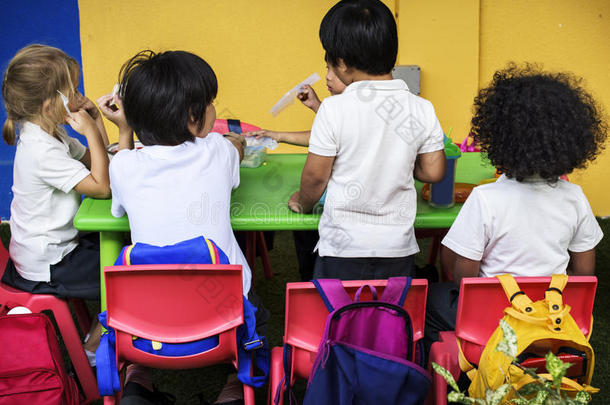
{"points": [[362, 33], [162, 92], [534, 123]]}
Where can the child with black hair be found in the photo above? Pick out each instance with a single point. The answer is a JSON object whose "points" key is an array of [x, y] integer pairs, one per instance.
{"points": [[178, 186], [367, 145], [534, 126]]}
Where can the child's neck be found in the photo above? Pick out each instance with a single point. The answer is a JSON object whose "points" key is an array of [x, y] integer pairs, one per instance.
{"points": [[358, 76]]}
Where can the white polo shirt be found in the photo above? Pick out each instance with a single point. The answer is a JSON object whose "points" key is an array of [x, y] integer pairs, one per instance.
{"points": [[46, 169], [524, 228], [175, 193], [375, 130]]}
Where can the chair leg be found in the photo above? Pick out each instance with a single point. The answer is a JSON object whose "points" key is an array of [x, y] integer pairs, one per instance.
{"points": [[73, 344], [248, 395], [276, 373], [82, 315], [251, 251], [261, 248]]}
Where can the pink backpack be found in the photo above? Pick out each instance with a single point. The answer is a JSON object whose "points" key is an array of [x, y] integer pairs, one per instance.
{"points": [[32, 369]]}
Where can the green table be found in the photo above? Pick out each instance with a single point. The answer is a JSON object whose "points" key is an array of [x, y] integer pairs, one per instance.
{"points": [[260, 204]]}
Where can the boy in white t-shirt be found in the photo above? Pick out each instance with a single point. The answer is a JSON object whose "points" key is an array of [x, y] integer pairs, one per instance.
{"points": [[534, 126], [367, 145]]}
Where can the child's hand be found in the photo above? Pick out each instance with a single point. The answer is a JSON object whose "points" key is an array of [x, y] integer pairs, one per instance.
{"points": [[82, 122], [309, 98], [238, 141], [276, 136], [295, 203], [117, 117]]}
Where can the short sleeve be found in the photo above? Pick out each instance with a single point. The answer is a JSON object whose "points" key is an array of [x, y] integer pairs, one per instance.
{"points": [[588, 232], [58, 169], [433, 137], [232, 160], [322, 141], [469, 234], [116, 209]]}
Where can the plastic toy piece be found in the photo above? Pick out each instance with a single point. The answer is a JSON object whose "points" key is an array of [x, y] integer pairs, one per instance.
{"points": [[115, 92], [461, 191], [288, 98]]}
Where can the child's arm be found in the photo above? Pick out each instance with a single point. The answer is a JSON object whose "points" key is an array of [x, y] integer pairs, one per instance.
{"points": [[314, 179], [117, 117], [430, 167], [460, 266], [88, 106], [581, 263], [97, 183], [300, 138], [238, 141]]}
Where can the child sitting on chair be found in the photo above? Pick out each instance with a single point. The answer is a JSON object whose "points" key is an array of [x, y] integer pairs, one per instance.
{"points": [[178, 186], [535, 126], [367, 145]]}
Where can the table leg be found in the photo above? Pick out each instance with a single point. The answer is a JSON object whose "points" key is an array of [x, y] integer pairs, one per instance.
{"points": [[111, 244]]}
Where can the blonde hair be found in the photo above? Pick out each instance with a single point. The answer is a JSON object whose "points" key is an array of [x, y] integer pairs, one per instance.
{"points": [[32, 77]]}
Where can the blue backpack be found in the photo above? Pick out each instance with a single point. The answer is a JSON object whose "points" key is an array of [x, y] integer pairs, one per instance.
{"points": [[198, 250], [366, 355]]}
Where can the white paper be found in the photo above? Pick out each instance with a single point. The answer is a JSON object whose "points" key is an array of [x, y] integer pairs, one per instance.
{"points": [[288, 98]]}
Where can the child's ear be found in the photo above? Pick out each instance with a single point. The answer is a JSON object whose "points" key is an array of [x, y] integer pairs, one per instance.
{"points": [[47, 106], [341, 66]]}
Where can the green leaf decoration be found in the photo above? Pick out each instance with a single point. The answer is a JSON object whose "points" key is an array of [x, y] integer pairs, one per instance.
{"points": [[530, 389], [508, 344], [458, 397], [582, 397], [556, 368], [496, 396], [519, 401], [531, 372], [446, 375], [540, 398]]}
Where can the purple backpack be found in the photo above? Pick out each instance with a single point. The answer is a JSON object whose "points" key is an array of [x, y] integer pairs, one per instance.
{"points": [[367, 355]]}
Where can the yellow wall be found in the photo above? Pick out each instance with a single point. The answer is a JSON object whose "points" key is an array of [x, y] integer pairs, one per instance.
{"points": [[260, 49]]}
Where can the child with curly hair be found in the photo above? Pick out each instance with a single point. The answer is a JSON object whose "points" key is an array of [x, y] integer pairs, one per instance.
{"points": [[534, 126]]}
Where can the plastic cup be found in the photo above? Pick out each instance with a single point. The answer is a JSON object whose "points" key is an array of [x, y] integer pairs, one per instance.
{"points": [[441, 193]]}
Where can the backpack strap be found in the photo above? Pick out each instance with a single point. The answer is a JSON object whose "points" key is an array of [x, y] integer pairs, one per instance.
{"points": [[396, 290], [554, 294], [332, 292], [517, 298]]}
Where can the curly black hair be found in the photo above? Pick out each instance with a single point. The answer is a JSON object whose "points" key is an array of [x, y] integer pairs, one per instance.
{"points": [[534, 123]]}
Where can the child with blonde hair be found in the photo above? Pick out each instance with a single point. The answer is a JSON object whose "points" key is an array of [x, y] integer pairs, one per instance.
{"points": [[51, 172]]}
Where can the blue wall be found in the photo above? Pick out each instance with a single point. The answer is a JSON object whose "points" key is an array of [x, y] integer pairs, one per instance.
{"points": [[54, 23]]}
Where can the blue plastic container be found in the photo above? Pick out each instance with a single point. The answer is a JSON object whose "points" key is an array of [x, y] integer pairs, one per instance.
{"points": [[441, 193]]}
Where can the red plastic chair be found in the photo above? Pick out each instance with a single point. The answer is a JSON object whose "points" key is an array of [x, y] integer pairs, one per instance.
{"points": [[67, 329], [480, 308], [305, 319], [175, 303]]}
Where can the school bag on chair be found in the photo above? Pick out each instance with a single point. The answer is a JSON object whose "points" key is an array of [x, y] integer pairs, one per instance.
{"points": [[32, 369], [366, 355], [541, 326]]}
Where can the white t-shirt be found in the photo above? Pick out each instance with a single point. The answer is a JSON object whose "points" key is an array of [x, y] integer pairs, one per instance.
{"points": [[375, 130], [175, 193], [524, 228], [45, 172]]}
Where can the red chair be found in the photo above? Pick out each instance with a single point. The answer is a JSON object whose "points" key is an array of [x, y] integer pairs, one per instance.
{"points": [[305, 319], [480, 308], [67, 329], [175, 303]]}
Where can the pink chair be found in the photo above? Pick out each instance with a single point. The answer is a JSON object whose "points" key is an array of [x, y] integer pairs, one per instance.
{"points": [[305, 319], [175, 303], [474, 325], [67, 329]]}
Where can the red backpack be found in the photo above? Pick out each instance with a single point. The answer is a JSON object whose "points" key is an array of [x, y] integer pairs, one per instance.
{"points": [[32, 369]]}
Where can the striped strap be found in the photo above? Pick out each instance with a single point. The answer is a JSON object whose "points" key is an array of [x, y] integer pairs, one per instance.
{"points": [[214, 256], [127, 255]]}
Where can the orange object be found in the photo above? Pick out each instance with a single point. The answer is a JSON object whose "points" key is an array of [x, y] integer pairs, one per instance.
{"points": [[65, 324], [461, 191], [175, 303], [305, 319], [481, 305]]}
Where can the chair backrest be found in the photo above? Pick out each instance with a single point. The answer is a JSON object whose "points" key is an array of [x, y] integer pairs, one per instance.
{"points": [[482, 302], [306, 313], [4, 256], [174, 303]]}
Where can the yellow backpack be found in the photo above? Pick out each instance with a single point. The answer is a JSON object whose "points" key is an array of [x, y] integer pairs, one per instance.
{"points": [[540, 327]]}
